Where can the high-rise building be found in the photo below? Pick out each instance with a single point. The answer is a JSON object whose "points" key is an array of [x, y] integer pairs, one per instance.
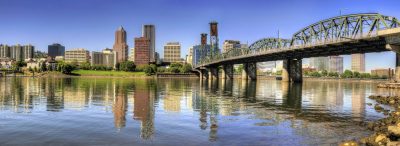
{"points": [[132, 55], [200, 52], [120, 45], [230, 44], [358, 62], [55, 50], [79, 55], [142, 49], [172, 52], [17, 52], [214, 38], [319, 63], [189, 58], [149, 32], [106, 58], [336, 64]]}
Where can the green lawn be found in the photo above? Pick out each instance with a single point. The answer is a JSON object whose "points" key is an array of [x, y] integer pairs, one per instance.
{"points": [[108, 73]]}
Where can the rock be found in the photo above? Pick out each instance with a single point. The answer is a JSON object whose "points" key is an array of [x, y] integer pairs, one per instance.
{"points": [[393, 143], [381, 139], [392, 102], [349, 143], [378, 108], [369, 104], [394, 130]]}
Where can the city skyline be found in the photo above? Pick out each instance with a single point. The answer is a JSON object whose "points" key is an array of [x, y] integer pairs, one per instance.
{"points": [[92, 27]]}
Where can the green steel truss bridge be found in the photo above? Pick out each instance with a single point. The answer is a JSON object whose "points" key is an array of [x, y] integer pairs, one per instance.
{"points": [[346, 34]]}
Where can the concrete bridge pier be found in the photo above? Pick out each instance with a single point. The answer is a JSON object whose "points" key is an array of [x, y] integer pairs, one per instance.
{"points": [[213, 73], [203, 74], [227, 71], [397, 71], [395, 49], [292, 70], [249, 71]]}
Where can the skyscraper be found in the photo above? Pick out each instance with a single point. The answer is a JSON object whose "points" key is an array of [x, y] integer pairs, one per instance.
{"points": [[336, 64], [172, 52], [142, 49], [320, 63], [132, 55], [149, 32], [120, 45], [358, 62], [55, 50]]}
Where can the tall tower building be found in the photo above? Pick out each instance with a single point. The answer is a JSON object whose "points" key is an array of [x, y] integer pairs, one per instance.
{"points": [[120, 45], [358, 62], [172, 52], [55, 50], [149, 32], [320, 63], [336, 64], [214, 38], [142, 49]]}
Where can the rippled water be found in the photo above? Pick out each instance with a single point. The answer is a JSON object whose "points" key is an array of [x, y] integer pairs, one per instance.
{"points": [[98, 111]]}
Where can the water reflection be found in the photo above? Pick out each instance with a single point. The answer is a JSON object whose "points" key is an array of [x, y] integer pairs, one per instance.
{"points": [[226, 111]]}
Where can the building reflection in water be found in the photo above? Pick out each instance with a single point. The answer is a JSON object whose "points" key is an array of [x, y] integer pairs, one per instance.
{"points": [[119, 105], [358, 99], [271, 102], [144, 108]]}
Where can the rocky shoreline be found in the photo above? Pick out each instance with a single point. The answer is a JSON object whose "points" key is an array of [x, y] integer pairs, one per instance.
{"points": [[386, 130]]}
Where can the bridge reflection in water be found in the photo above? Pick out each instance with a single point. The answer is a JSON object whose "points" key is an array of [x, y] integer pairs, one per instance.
{"points": [[138, 111]]}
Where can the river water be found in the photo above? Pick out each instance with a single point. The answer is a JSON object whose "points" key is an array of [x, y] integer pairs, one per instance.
{"points": [[118, 111]]}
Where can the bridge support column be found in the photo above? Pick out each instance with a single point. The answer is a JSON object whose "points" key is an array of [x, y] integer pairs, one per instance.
{"points": [[227, 71], [203, 74], [292, 71], [213, 73], [249, 71], [397, 71], [395, 49]]}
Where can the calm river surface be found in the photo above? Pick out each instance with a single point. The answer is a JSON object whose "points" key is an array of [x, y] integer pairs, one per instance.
{"points": [[102, 111]]}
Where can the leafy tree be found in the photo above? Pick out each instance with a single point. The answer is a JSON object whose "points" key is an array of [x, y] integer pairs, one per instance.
{"points": [[333, 74], [240, 69], [175, 67], [149, 70], [35, 69], [68, 68], [186, 68], [85, 66], [356, 74], [324, 73], [43, 66], [127, 66], [347, 74]]}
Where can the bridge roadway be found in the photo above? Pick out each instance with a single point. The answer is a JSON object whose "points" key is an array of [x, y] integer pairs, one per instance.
{"points": [[340, 35]]}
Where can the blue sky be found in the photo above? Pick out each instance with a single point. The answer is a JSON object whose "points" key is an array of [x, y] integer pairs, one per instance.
{"points": [[91, 24]]}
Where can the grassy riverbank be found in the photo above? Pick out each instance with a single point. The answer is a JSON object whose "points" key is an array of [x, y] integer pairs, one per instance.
{"points": [[108, 73]]}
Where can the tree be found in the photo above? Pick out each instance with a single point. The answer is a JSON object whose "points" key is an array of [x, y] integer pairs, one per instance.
{"points": [[43, 66], [356, 74], [35, 69], [333, 74], [347, 74], [186, 68], [175, 67], [324, 73], [68, 68], [149, 70], [85, 66], [240, 69]]}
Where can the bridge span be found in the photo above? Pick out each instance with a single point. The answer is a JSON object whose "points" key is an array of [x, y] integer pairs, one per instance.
{"points": [[342, 35]]}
